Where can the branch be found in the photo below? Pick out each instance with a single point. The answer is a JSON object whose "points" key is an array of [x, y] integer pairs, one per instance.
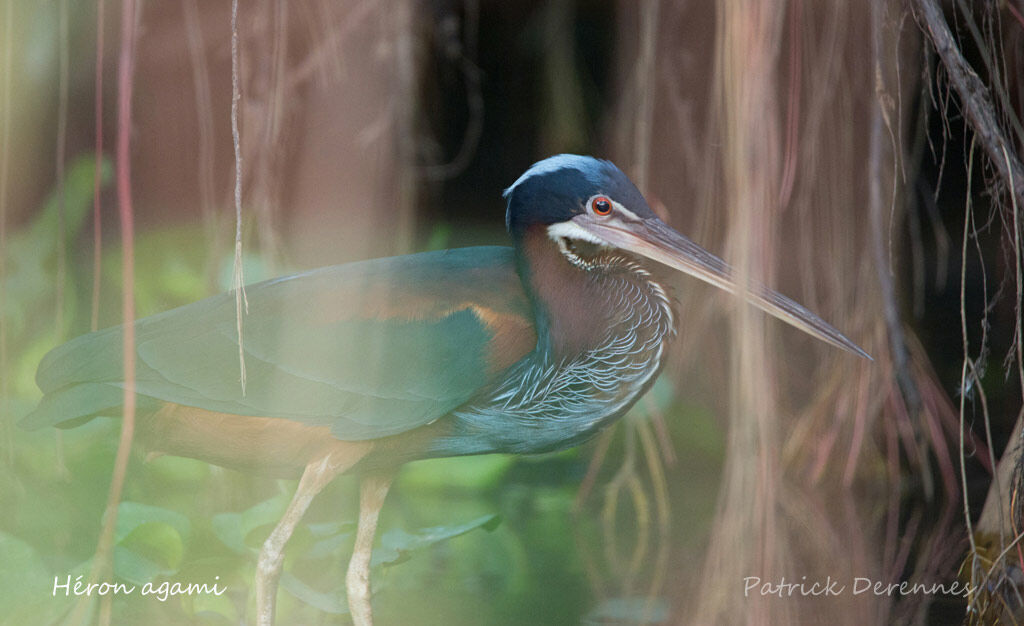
{"points": [[881, 116], [102, 564], [974, 98]]}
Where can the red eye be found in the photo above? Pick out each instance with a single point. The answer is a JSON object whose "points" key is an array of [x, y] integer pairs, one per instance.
{"points": [[601, 205]]}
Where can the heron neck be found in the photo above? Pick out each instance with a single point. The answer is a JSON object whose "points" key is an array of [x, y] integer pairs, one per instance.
{"points": [[602, 328], [574, 307]]}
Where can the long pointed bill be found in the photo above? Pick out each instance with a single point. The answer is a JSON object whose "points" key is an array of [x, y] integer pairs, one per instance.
{"points": [[654, 239]]}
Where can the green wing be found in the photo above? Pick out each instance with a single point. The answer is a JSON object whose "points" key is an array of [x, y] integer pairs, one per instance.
{"points": [[370, 349]]}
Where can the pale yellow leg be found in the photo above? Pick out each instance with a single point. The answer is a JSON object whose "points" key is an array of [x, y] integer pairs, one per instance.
{"points": [[268, 569], [373, 489]]}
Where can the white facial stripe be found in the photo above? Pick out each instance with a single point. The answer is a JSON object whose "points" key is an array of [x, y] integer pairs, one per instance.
{"points": [[571, 230], [624, 211]]}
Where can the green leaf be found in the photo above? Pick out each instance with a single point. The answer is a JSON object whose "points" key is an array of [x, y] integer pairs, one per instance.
{"points": [[150, 550], [329, 529], [209, 608], [329, 545], [330, 602], [234, 529], [149, 541], [135, 568], [26, 587], [397, 544], [131, 515]]}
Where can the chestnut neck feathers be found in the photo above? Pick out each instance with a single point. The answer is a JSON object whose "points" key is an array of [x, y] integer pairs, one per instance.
{"points": [[602, 326], [580, 296]]}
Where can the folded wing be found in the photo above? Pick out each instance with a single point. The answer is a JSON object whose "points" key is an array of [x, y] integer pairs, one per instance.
{"points": [[370, 349]]}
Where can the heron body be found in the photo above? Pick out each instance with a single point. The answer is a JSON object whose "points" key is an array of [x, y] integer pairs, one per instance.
{"points": [[362, 367]]}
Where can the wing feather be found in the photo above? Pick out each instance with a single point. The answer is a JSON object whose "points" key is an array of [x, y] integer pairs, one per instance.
{"points": [[370, 349]]}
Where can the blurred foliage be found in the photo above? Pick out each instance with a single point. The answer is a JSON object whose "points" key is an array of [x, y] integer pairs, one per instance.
{"points": [[183, 521], [29, 283], [628, 610]]}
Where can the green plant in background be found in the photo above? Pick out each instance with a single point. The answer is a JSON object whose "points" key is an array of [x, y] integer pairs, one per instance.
{"points": [[29, 283]]}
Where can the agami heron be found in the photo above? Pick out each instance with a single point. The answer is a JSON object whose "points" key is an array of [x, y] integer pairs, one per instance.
{"points": [[362, 367]]}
